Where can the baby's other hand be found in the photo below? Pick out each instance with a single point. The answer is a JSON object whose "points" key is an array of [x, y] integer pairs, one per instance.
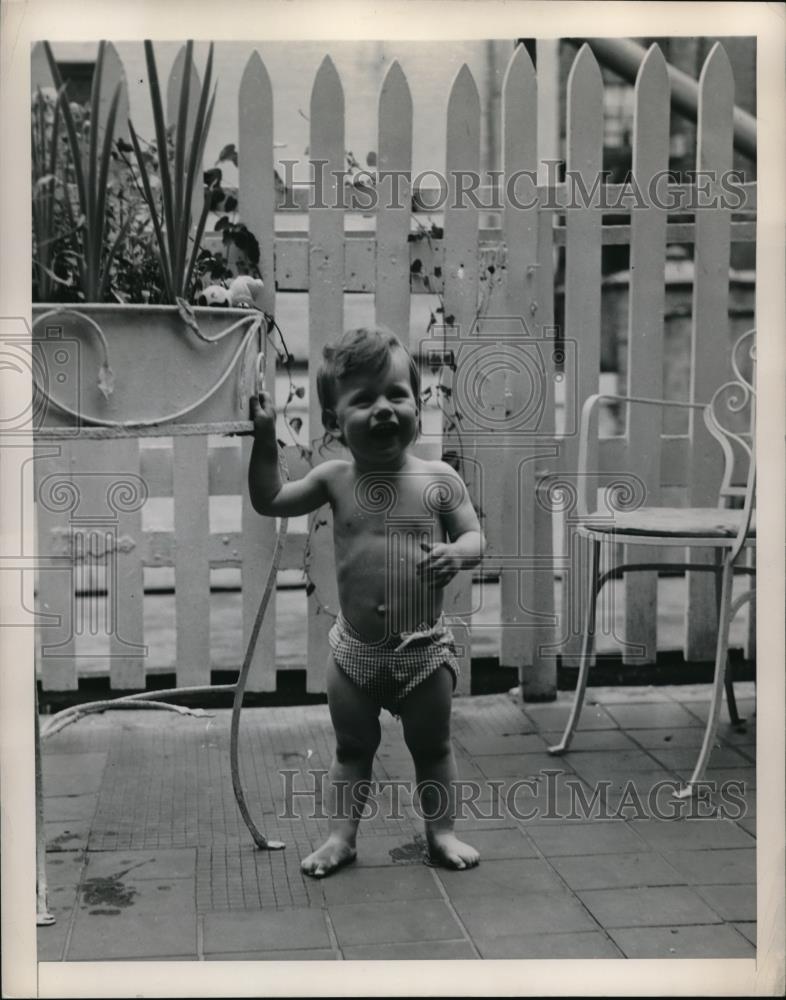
{"points": [[263, 414], [440, 565]]}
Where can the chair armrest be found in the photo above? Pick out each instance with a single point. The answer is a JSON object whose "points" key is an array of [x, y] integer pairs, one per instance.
{"points": [[586, 414]]}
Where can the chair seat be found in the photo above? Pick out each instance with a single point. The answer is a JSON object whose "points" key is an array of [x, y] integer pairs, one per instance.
{"points": [[699, 522]]}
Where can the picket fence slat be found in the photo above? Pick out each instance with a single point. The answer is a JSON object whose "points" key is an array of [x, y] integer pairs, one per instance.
{"points": [[97, 476], [645, 338], [257, 189], [582, 300], [461, 302], [40, 76], [225, 468], [394, 155], [710, 325], [519, 232], [89, 535], [359, 265], [192, 569], [256, 168], [126, 590], [55, 496], [325, 323], [520, 600], [541, 527], [547, 639], [613, 454]]}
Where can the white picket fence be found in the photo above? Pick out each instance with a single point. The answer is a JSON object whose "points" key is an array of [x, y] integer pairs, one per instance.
{"points": [[476, 271]]}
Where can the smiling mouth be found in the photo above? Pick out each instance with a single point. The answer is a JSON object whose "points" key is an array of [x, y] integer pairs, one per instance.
{"points": [[385, 430]]}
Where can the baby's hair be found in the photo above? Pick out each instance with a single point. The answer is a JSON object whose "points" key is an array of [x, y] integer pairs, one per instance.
{"points": [[366, 349]]}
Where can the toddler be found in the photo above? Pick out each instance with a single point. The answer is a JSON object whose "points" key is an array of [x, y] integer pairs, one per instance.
{"points": [[402, 528]]}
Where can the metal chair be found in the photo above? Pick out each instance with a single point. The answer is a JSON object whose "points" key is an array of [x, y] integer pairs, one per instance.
{"points": [[726, 530]]}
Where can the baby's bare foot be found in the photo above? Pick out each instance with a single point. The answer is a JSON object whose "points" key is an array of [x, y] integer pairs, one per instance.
{"points": [[446, 850], [332, 855]]}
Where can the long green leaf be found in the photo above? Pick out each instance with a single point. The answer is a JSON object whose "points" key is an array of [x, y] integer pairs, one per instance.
{"points": [[195, 248], [53, 161], [206, 129], [39, 136], [181, 141], [70, 129], [41, 262], [41, 231], [148, 195], [162, 248], [205, 205], [111, 256], [94, 231], [103, 174], [75, 227], [163, 149]]}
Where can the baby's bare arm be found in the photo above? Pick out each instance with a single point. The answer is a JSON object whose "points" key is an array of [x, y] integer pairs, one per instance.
{"points": [[268, 494], [466, 541]]}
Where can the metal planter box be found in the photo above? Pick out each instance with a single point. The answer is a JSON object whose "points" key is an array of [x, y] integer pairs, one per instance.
{"points": [[159, 369]]}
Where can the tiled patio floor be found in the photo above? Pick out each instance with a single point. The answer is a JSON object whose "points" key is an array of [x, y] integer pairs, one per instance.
{"points": [[148, 857]]}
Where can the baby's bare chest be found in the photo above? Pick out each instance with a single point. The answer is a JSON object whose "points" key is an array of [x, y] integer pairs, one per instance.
{"points": [[374, 507]]}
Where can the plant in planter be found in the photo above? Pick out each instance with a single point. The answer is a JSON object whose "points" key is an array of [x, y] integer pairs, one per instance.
{"points": [[79, 221], [52, 227], [176, 186], [133, 244]]}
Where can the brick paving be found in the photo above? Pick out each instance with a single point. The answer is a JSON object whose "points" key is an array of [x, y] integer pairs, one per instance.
{"points": [[148, 858]]}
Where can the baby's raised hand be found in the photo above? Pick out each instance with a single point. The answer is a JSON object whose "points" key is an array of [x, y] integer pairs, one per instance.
{"points": [[263, 414], [440, 565]]}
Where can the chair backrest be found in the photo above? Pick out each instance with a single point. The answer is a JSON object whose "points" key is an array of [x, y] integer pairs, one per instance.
{"points": [[730, 417]]}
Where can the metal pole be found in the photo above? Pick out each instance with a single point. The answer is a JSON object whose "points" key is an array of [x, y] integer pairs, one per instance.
{"points": [[624, 57]]}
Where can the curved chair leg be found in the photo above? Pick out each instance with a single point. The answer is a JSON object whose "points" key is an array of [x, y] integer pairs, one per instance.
{"points": [[587, 644], [721, 655], [731, 701]]}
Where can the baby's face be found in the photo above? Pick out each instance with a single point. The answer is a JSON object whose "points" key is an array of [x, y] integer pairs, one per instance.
{"points": [[378, 415]]}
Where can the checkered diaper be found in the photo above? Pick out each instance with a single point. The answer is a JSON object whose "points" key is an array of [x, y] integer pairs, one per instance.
{"points": [[389, 669]]}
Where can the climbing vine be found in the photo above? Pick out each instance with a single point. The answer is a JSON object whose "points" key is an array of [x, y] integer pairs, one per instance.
{"points": [[294, 425], [492, 259]]}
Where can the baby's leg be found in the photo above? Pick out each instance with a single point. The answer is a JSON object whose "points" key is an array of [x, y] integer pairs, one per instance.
{"points": [[425, 714], [355, 719]]}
